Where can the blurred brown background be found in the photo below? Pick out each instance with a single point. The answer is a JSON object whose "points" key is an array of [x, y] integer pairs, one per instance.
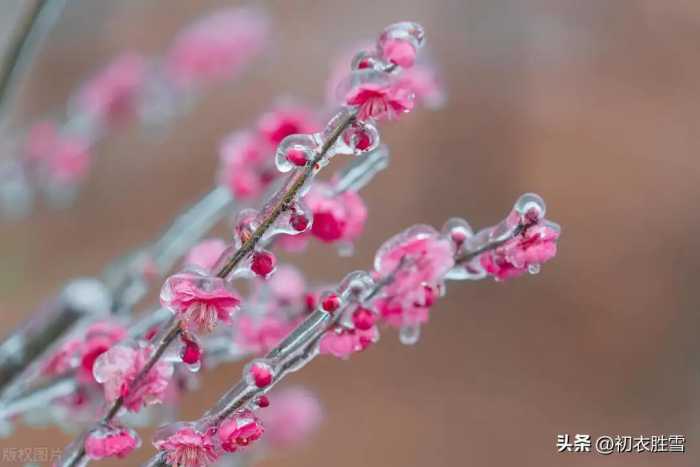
{"points": [[593, 104]]}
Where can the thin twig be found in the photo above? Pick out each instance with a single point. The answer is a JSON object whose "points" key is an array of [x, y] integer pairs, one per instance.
{"points": [[34, 27]]}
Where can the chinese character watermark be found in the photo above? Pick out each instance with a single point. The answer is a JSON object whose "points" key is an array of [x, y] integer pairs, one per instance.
{"points": [[21, 456], [620, 444]]}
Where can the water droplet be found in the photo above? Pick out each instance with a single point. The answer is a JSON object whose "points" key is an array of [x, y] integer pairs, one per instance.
{"points": [[409, 334]]}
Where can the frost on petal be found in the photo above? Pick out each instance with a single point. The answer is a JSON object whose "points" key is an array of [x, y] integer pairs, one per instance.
{"points": [[186, 447], [200, 301], [293, 416]]}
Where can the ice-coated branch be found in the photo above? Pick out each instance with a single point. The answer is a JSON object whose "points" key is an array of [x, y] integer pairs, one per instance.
{"points": [[408, 274], [199, 299], [127, 281], [188, 227], [281, 202]]}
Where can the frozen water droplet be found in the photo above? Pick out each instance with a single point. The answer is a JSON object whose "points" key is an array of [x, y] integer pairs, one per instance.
{"points": [[409, 334], [531, 207], [359, 138], [405, 30], [293, 149]]}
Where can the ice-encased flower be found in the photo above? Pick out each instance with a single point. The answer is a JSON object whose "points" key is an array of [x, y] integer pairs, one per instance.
{"points": [[199, 300], [117, 370]]}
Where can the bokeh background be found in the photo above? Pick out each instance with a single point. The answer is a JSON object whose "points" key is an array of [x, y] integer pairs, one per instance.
{"points": [[593, 104]]}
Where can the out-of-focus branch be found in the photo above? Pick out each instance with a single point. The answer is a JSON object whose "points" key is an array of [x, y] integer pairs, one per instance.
{"points": [[30, 32]]}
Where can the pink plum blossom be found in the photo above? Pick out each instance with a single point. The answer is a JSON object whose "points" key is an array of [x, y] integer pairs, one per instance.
{"points": [[99, 338], [216, 47], [63, 358], [40, 140], [81, 353], [535, 245], [206, 253], [380, 101], [239, 431], [200, 301], [294, 414], [261, 334], [70, 159], [399, 52], [287, 285], [423, 81], [118, 368], [336, 217], [64, 158], [246, 167], [293, 243], [283, 121], [415, 262], [113, 441], [188, 447], [342, 343], [112, 95]]}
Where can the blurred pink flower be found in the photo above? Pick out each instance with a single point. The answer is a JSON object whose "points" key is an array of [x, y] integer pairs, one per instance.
{"points": [[261, 334], [283, 121], [216, 47], [206, 253], [63, 358], [246, 167], [63, 158], [423, 81], [337, 217], [112, 94], [117, 370], [294, 414]]}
